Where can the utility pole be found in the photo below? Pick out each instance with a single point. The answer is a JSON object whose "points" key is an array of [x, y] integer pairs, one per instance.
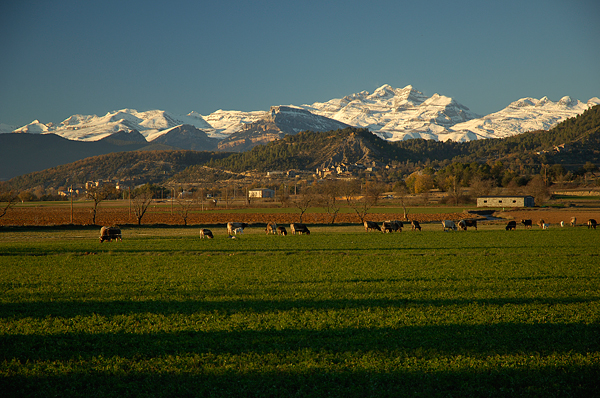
{"points": [[71, 203]]}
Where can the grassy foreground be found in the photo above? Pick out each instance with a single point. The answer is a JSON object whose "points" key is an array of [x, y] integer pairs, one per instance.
{"points": [[335, 313]]}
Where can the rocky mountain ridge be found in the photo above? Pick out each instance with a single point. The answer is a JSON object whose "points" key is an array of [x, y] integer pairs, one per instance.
{"points": [[391, 113]]}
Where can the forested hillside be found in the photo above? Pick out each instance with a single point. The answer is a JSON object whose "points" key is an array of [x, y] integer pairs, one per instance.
{"points": [[571, 146], [143, 166]]}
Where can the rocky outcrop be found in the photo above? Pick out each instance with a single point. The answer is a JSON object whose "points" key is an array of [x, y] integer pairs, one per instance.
{"points": [[279, 122], [187, 137]]}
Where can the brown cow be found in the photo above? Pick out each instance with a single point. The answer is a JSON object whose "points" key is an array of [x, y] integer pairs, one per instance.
{"points": [[271, 228], [541, 223], [110, 233]]}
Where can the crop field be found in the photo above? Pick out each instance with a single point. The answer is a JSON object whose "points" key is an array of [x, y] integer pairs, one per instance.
{"points": [[340, 312]]}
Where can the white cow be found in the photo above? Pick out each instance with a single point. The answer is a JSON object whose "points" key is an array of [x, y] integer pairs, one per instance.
{"points": [[448, 225], [232, 226]]}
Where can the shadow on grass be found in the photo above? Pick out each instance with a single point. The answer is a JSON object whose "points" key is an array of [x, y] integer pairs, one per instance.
{"points": [[539, 382], [477, 341], [71, 309]]}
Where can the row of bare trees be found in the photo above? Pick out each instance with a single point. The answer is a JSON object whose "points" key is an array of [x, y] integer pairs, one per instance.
{"points": [[332, 195]]}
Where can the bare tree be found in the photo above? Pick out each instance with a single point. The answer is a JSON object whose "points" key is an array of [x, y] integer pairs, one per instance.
{"points": [[140, 201], [538, 189], [328, 192], [452, 185], [8, 199], [185, 204], [97, 195], [304, 200], [361, 202], [480, 187], [402, 193]]}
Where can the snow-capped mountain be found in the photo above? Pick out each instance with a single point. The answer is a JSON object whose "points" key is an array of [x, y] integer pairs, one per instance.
{"points": [[526, 114], [94, 128], [396, 114], [392, 113]]}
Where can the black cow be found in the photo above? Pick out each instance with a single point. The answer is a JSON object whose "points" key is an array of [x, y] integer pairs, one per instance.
{"points": [[415, 225], [299, 228], [512, 225], [206, 233], [281, 230], [527, 223], [110, 234], [392, 226], [592, 223], [463, 224], [371, 225]]}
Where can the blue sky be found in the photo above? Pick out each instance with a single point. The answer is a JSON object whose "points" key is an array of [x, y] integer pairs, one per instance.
{"points": [[59, 58]]}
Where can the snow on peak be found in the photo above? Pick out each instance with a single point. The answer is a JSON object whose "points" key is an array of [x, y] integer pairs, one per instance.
{"points": [[391, 113], [35, 127], [395, 112], [526, 114], [567, 101]]}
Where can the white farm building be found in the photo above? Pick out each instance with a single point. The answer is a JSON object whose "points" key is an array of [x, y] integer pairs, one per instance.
{"points": [[261, 193], [505, 201]]}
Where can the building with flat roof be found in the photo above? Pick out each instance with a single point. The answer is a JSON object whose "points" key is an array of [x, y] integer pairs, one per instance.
{"points": [[261, 193], [505, 201]]}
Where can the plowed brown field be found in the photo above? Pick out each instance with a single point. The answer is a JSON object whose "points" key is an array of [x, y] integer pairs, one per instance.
{"points": [[121, 216], [61, 215]]}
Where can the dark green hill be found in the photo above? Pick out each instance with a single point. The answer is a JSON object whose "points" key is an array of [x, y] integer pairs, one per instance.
{"points": [[134, 166], [22, 153]]}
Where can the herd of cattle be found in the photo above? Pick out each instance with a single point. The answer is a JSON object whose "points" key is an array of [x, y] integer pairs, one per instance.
{"points": [[235, 228], [512, 225]]}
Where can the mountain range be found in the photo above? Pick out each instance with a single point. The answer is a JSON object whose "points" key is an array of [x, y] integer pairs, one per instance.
{"points": [[393, 114]]}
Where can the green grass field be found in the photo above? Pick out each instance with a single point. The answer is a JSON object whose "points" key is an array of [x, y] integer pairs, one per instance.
{"points": [[340, 312]]}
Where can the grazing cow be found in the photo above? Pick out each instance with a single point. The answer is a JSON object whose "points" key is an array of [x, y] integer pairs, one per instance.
{"points": [[281, 230], [371, 225], [541, 223], [392, 226], [239, 230], [545, 226], [110, 233], [271, 228], [527, 223], [299, 228], [592, 223], [463, 224], [448, 225], [206, 233], [573, 221], [232, 226], [511, 226], [415, 225]]}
